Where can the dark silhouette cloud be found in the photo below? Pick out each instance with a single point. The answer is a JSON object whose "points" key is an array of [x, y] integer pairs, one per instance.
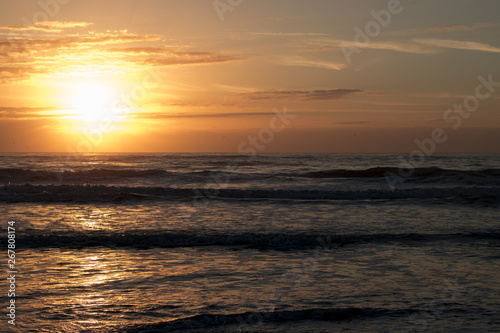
{"points": [[306, 95]]}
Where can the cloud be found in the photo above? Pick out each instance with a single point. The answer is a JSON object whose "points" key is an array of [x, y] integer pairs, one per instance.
{"points": [[47, 26], [159, 51], [456, 44], [235, 89], [25, 56], [339, 45], [16, 69], [160, 115], [454, 27], [212, 58], [28, 112], [174, 57], [190, 104], [304, 95], [76, 42], [138, 50], [87, 40], [351, 123], [293, 34], [304, 62], [29, 28], [415, 46], [63, 24], [403, 47], [15, 73], [29, 56], [319, 48]]}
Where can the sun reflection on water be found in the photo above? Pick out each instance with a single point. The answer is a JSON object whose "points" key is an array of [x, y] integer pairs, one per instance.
{"points": [[95, 220]]}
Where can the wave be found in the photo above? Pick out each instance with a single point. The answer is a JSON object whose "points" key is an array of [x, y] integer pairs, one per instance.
{"points": [[434, 174], [271, 241], [124, 194], [394, 172], [16, 175], [251, 321], [23, 176]]}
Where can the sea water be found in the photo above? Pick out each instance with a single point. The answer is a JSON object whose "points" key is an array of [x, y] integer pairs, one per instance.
{"points": [[242, 243]]}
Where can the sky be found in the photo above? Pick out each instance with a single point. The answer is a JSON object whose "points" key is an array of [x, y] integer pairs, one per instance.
{"points": [[250, 76]]}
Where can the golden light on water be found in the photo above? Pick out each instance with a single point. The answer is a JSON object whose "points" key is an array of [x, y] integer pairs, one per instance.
{"points": [[94, 220]]}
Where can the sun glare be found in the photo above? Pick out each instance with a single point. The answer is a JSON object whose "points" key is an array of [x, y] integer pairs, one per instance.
{"points": [[93, 102]]}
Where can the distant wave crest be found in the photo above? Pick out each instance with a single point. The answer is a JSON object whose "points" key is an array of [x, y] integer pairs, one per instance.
{"points": [[27, 175], [123, 194], [431, 174], [271, 241], [388, 171], [251, 321]]}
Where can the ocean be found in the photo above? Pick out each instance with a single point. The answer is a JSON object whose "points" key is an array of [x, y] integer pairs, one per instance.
{"points": [[242, 243]]}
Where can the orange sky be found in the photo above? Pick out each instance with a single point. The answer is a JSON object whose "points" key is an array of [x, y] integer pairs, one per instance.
{"points": [[287, 76]]}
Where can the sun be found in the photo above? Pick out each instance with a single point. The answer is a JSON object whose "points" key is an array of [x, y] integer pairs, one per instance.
{"points": [[93, 102]]}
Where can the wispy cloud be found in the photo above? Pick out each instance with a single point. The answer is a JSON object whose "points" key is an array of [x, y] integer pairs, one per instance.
{"points": [[415, 46], [319, 48], [47, 26], [305, 95], [29, 112], [162, 51], [63, 24], [457, 44], [351, 122], [147, 50], [165, 115], [236, 89], [9, 73], [213, 58], [453, 27], [390, 45], [174, 57], [27, 55], [93, 38], [29, 28], [305, 62], [293, 34], [29, 44], [398, 46]]}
